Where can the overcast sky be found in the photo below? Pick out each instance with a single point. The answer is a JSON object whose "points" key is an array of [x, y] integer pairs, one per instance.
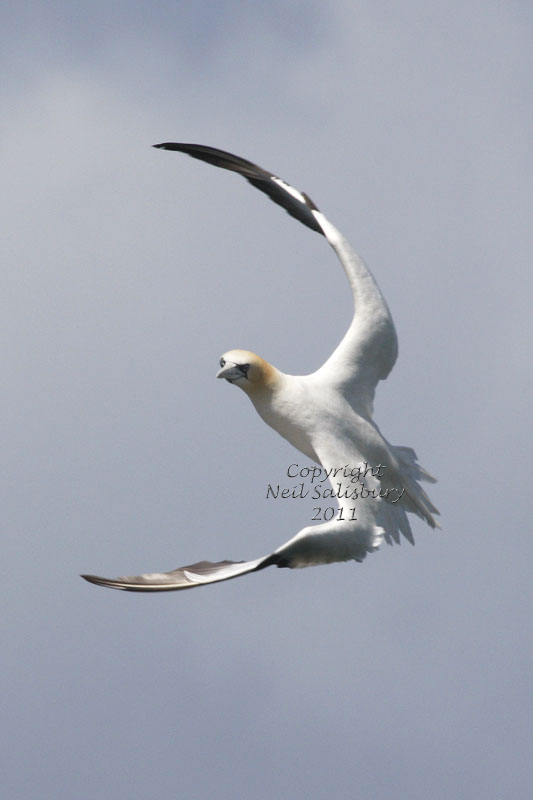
{"points": [[127, 271]]}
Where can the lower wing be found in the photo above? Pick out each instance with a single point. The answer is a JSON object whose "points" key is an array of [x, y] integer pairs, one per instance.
{"points": [[184, 577], [318, 544], [327, 543]]}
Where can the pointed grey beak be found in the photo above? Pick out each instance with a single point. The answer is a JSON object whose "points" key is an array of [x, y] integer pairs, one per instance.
{"points": [[232, 372], [229, 371]]}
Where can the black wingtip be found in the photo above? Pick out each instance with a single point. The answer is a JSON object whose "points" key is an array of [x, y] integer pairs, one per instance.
{"points": [[91, 579], [170, 146], [300, 207]]}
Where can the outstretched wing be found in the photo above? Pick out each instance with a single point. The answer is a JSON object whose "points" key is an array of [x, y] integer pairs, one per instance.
{"points": [[318, 544], [362, 521], [182, 578], [296, 203], [369, 349]]}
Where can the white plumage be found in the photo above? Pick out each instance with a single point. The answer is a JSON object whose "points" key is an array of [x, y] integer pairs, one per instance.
{"points": [[326, 415]]}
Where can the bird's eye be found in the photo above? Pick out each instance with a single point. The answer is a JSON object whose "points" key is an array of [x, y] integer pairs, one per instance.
{"points": [[222, 362]]}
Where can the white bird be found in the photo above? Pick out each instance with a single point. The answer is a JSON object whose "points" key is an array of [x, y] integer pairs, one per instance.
{"points": [[327, 415]]}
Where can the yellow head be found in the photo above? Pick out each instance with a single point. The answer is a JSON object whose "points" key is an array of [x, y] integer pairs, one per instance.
{"points": [[248, 371]]}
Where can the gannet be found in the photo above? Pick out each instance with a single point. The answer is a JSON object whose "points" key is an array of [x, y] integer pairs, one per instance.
{"points": [[326, 415]]}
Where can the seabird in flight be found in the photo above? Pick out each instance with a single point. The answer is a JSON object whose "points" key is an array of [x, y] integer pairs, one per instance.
{"points": [[326, 415]]}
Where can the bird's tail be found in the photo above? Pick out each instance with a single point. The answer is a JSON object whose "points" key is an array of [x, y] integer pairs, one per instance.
{"points": [[418, 502]]}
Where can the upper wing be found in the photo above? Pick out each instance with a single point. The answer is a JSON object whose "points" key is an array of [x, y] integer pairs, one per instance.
{"points": [[296, 203], [369, 349], [182, 578]]}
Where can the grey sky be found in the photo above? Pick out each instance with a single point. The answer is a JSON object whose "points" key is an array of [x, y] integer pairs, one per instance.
{"points": [[128, 271]]}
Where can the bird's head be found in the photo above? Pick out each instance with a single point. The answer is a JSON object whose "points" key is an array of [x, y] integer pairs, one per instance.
{"points": [[248, 371]]}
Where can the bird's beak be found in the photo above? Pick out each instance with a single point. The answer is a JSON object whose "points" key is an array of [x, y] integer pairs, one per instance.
{"points": [[230, 371]]}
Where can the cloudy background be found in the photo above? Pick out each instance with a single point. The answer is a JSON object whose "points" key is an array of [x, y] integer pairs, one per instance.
{"points": [[127, 271]]}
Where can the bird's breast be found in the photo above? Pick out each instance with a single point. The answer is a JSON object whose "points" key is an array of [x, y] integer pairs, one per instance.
{"points": [[296, 412]]}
